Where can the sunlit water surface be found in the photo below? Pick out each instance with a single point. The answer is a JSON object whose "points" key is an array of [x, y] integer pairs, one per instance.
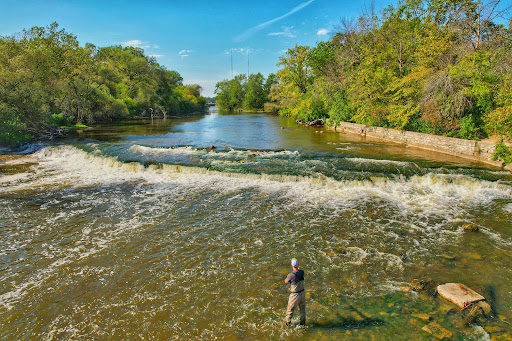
{"points": [[140, 231]]}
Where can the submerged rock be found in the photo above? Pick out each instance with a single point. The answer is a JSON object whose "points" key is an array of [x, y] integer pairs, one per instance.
{"points": [[340, 250], [438, 331], [424, 317], [476, 312], [405, 288], [427, 286], [472, 255], [502, 337], [330, 254], [493, 329], [470, 227], [486, 307], [448, 257]]}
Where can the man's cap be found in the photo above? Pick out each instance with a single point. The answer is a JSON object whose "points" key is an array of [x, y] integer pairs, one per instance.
{"points": [[295, 262]]}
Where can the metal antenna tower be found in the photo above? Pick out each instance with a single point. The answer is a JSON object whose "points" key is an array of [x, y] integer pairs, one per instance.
{"points": [[231, 53]]}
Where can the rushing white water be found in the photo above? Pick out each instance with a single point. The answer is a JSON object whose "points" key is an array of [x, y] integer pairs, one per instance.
{"points": [[431, 193]]}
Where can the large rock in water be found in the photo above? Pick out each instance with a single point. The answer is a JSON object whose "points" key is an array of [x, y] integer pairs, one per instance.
{"points": [[466, 299], [459, 294]]}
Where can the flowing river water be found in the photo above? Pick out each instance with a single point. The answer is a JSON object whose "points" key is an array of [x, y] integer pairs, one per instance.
{"points": [[139, 231]]}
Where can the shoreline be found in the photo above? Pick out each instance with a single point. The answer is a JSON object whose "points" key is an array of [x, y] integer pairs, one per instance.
{"points": [[10, 147], [469, 149], [480, 151]]}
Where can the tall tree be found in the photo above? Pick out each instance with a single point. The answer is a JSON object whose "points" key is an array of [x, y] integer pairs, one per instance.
{"points": [[231, 93], [271, 80], [296, 70], [255, 95]]}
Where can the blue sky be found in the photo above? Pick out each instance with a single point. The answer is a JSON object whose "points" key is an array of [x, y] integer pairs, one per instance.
{"points": [[194, 37]]}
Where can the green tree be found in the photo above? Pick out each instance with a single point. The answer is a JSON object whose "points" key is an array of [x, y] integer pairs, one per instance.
{"points": [[231, 93], [498, 122], [296, 70], [255, 95], [33, 71], [271, 80]]}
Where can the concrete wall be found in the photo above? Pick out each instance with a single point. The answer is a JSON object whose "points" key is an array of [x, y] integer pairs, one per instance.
{"points": [[475, 150]]}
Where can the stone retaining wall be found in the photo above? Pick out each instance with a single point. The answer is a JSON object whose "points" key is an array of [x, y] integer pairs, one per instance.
{"points": [[471, 149]]}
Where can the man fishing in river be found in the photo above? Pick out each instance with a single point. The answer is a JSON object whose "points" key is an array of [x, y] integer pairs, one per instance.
{"points": [[297, 295]]}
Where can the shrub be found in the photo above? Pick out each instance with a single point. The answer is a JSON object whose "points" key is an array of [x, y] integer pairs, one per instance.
{"points": [[502, 153], [309, 110], [340, 111], [468, 128], [12, 134], [61, 120]]}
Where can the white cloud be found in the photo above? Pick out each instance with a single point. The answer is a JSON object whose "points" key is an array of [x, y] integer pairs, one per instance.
{"points": [[242, 50], [184, 53], [286, 32], [234, 50], [322, 32], [136, 43], [248, 33], [155, 55]]}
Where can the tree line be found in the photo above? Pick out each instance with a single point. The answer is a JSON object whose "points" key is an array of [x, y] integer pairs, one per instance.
{"points": [[47, 79], [244, 93], [434, 66]]}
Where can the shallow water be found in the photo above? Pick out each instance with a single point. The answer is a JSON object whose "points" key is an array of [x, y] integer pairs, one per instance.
{"points": [[139, 231]]}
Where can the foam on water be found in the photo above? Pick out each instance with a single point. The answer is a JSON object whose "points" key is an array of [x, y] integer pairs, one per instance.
{"points": [[10, 298], [13, 177], [229, 153], [57, 256], [432, 194], [380, 162], [166, 151], [262, 154]]}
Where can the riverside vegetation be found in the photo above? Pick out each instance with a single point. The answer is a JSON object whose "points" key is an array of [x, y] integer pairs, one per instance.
{"points": [[245, 93], [48, 81], [439, 67]]}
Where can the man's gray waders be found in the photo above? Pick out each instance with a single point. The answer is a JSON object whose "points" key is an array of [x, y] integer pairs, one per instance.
{"points": [[297, 297]]}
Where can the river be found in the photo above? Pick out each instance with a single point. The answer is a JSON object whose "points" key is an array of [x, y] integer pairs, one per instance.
{"points": [[137, 230]]}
